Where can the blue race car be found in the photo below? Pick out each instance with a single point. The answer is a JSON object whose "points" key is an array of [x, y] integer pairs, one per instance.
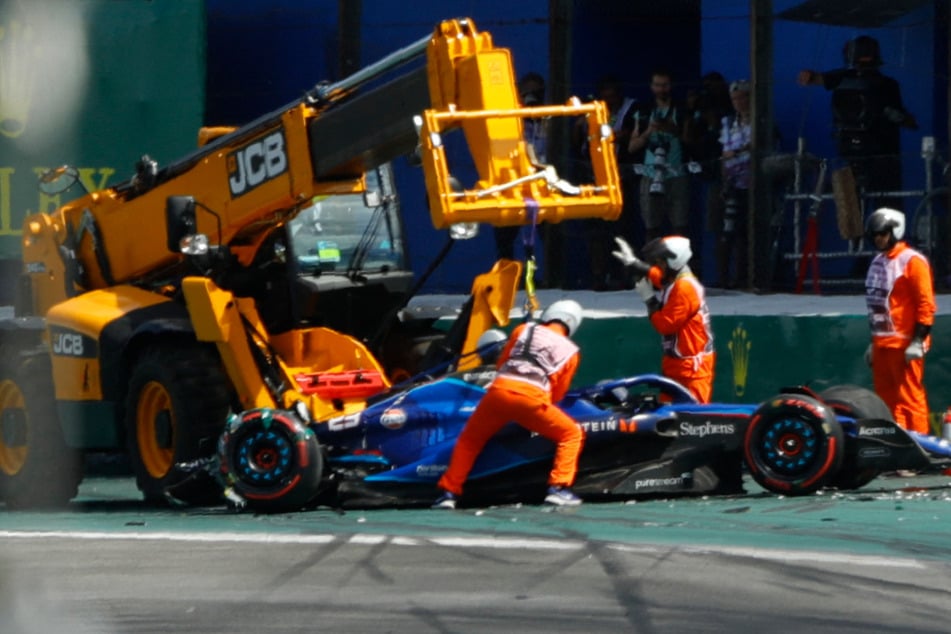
{"points": [[645, 436]]}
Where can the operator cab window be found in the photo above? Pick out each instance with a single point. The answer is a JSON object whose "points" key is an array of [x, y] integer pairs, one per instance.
{"points": [[327, 233]]}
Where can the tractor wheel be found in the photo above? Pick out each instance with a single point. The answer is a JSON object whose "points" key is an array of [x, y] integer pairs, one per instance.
{"points": [[271, 459], [176, 408], [793, 445], [856, 402], [37, 468]]}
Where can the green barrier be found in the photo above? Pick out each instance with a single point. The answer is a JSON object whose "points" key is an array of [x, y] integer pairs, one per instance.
{"points": [[758, 355], [95, 84]]}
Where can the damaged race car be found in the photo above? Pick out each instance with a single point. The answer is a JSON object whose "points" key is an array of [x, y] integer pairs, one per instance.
{"points": [[646, 436]]}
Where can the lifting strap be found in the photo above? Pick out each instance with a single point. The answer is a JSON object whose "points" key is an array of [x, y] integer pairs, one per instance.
{"points": [[531, 301]]}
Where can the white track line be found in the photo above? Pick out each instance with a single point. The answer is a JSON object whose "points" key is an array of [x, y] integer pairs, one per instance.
{"points": [[497, 543]]}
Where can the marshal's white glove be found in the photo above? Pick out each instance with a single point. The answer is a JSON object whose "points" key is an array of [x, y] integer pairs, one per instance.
{"points": [[915, 350], [625, 255], [645, 289], [868, 355]]}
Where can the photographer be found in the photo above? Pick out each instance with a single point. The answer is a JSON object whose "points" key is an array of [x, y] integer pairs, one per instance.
{"points": [[736, 136], [665, 188], [868, 115]]}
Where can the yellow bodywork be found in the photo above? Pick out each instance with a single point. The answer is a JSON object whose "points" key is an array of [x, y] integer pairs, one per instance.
{"points": [[472, 85], [493, 296], [119, 234], [76, 377], [225, 320]]}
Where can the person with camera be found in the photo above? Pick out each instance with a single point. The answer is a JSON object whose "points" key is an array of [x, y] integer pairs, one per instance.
{"points": [[677, 309], [705, 108], [736, 137], [659, 132], [901, 308], [868, 115]]}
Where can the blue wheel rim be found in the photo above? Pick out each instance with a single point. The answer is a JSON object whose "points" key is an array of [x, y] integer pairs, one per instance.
{"points": [[790, 446], [264, 457]]}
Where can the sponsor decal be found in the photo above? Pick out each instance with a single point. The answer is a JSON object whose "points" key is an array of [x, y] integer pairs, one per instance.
{"points": [[801, 404], [877, 431], [595, 426], [256, 163], [484, 376], [874, 452], [35, 267], [341, 423], [658, 483], [430, 470], [393, 418], [706, 429], [69, 343]]}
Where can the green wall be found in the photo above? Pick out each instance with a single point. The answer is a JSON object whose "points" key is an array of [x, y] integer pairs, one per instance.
{"points": [[94, 84]]}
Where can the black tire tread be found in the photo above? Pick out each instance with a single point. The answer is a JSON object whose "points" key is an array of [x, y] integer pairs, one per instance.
{"points": [[193, 376], [858, 402], [766, 480], [51, 476]]}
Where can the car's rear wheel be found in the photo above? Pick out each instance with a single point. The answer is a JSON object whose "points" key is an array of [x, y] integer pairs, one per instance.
{"points": [[855, 401], [271, 459], [793, 445]]}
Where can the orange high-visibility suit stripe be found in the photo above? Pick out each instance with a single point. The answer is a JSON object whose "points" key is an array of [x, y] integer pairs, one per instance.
{"points": [[900, 295], [683, 320], [512, 398]]}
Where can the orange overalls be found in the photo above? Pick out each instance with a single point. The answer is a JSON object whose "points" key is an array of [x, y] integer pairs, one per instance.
{"points": [[528, 384], [683, 320], [899, 295]]}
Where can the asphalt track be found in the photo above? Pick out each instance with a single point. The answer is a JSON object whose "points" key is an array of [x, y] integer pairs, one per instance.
{"points": [[878, 560]]}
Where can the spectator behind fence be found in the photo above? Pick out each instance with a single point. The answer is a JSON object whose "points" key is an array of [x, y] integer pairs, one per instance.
{"points": [[736, 137], [868, 115], [605, 274], [706, 109], [665, 188]]}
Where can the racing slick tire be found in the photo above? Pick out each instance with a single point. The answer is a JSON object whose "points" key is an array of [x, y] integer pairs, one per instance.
{"points": [[175, 410], [793, 444], [856, 402], [37, 468], [271, 460]]}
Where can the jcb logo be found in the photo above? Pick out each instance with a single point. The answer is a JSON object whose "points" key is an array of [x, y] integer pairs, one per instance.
{"points": [[256, 163], [68, 343], [65, 343]]}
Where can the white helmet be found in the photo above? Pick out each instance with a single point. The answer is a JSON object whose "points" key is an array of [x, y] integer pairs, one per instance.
{"points": [[566, 311], [489, 344], [675, 250], [883, 219]]}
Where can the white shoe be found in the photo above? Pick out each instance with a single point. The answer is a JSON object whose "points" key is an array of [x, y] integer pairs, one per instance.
{"points": [[561, 496]]}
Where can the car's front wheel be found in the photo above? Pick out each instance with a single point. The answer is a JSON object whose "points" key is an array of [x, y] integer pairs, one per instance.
{"points": [[793, 444], [271, 459]]}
